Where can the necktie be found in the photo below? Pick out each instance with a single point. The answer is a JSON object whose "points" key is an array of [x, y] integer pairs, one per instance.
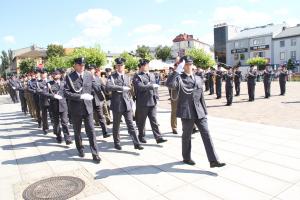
{"points": [[81, 77]]}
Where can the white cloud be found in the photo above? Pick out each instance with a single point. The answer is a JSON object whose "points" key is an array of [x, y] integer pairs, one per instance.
{"points": [[148, 28], [97, 24], [153, 40], [9, 39], [281, 12], [189, 22], [254, 1], [238, 16]]}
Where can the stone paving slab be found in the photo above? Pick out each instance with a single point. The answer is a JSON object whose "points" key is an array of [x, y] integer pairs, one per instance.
{"points": [[262, 162]]}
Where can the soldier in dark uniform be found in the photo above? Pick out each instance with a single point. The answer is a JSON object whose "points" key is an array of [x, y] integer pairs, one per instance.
{"points": [[210, 77], [192, 110], [206, 83], [21, 89], [219, 79], [98, 101], [43, 100], [78, 90], [13, 85], [251, 82], [267, 81], [146, 101], [283, 75], [237, 80], [229, 86], [32, 87], [59, 108], [121, 104]]}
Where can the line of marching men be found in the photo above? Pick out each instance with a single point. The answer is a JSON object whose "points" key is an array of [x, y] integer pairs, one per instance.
{"points": [[81, 94]]}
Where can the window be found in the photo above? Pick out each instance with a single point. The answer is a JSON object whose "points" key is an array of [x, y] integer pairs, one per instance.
{"points": [[255, 42], [258, 41], [293, 55], [242, 56], [236, 44], [259, 54], [293, 42], [236, 56], [189, 44], [282, 43], [282, 56]]}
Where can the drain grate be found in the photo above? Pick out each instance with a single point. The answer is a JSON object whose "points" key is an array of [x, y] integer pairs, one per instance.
{"points": [[54, 188]]}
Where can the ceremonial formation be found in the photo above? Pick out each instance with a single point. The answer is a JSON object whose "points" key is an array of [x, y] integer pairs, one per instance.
{"points": [[82, 95]]}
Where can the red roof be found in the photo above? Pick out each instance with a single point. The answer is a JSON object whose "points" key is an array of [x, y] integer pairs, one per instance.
{"points": [[183, 37]]}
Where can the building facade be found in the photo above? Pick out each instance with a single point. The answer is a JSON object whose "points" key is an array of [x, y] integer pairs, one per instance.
{"points": [[184, 42], [287, 46], [252, 42]]}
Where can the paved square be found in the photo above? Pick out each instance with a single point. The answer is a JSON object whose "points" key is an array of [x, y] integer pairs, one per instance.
{"points": [[263, 162]]}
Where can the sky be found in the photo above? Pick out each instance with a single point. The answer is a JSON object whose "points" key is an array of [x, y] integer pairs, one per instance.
{"points": [[119, 25]]}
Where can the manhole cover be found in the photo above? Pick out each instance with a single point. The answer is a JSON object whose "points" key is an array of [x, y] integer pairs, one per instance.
{"points": [[54, 188]]}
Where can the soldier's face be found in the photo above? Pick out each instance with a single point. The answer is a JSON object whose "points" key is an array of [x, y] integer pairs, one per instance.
{"points": [[79, 67], [188, 67], [120, 68]]}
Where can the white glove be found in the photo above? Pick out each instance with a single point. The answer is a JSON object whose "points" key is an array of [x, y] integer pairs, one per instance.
{"points": [[125, 88], [155, 86], [56, 96], [86, 96], [179, 68], [14, 88]]}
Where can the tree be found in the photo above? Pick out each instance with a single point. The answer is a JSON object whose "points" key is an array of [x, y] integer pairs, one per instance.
{"points": [[258, 61], [131, 61], [54, 50], [163, 53], [201, 58], [57, 62], [290, 64], [26, 65], [4, 61], [92, 55], [143, 52]]}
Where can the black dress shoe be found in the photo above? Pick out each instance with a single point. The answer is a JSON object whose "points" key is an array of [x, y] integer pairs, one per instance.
{"points": [[96, 159], [59, 140], [45, 132], [195, 130], [138, 146], [118, 147], [189, 162], [39, 126], [175, 132], [106, 135], [68, 142], [81, 153], [161, 140], [216, 164], [142, 140]]}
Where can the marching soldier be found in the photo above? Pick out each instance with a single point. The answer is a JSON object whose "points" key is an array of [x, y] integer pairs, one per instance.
{"points": [[219, 79], [146, 101], [210, 77], [191, 108], [229, 86], [267, 81], [251, 82], [206, 83], [43, 100], [98, 101], [59, 108], [28, 97], [121, 104], [21, 89], [2, 86], [13, 85], [237, 80], [78, 90], [32, 87], [283, 75]]}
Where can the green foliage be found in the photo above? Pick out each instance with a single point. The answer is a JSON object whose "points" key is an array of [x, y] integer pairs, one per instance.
{"points": [[131, 61], [144, 52], [54, 50], [26, 65], [92, 55], [4, 62], [57, 62], [201, 58], [290, 64], [163, 53], [258, 61]]}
